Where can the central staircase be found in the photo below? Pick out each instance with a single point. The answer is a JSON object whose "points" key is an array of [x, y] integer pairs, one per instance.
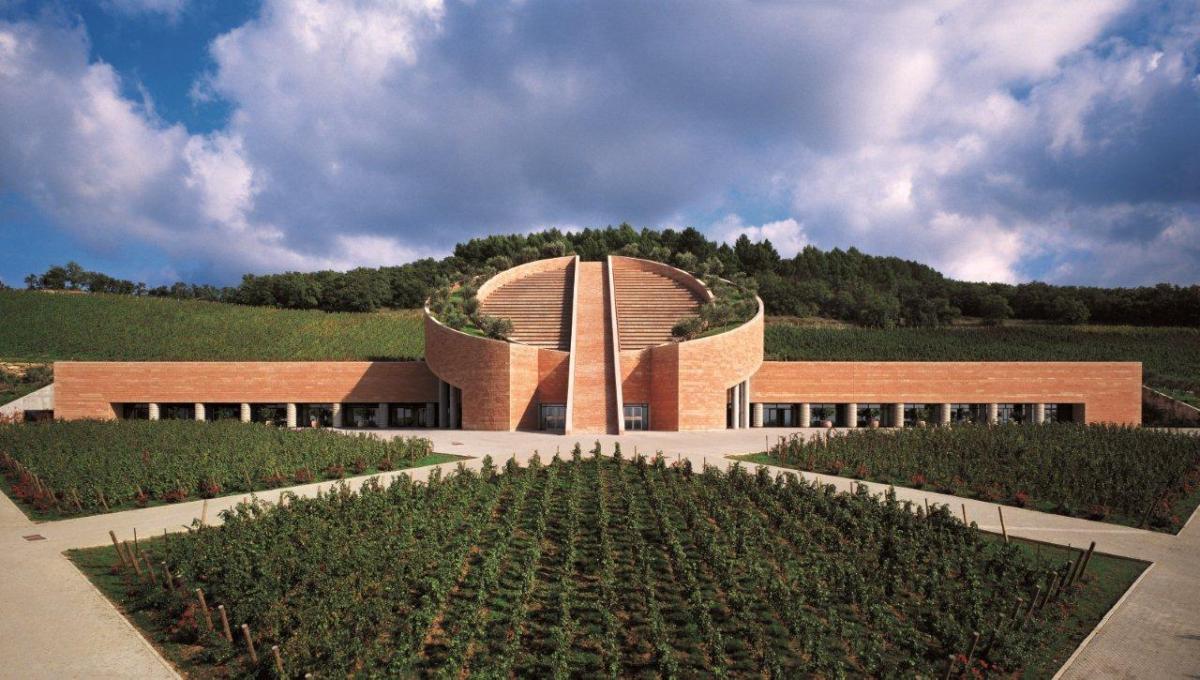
{"points": [[594, 396]]}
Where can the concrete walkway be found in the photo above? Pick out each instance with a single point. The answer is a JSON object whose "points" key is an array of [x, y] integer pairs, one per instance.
{"points": [[54, 624]]}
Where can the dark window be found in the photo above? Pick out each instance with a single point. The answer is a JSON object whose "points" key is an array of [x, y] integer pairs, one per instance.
{"points": [[637, 417], [920, 413], [176, 411], [869, 412], [223, 411], [553, 417], [819, 413], [411, 415], [314, 415], [968, 413], [779, 415], [135, 411], [360, 415], [271, 414]]}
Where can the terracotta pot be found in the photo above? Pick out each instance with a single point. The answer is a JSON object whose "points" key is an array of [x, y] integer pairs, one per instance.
{"points": [[874, 424], [921, 423], [826, 423]]}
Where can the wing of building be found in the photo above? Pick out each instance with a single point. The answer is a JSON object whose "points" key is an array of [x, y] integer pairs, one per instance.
{"points": [[591, 351]]}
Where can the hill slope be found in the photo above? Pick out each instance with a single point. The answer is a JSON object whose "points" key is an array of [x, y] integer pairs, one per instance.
{"points": [[41, 326]]}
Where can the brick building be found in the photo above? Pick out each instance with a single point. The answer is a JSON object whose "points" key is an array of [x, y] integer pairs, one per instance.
{"points": [[591, 351]]}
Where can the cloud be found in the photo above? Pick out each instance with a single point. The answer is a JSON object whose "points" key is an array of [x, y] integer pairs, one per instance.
{"points": [[994, 140], [787, 235]]}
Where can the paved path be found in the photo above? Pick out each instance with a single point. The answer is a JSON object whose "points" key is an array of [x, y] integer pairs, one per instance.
{"points": [[53, 624]]}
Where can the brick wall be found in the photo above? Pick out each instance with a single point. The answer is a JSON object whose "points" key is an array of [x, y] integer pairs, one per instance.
{"points": [[1111, 391], [87, 389]]}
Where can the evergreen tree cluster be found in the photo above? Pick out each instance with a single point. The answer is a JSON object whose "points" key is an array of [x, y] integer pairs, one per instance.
{"points": [[839, 284]]}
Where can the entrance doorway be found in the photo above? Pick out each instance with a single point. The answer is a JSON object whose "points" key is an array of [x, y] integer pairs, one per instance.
{"points": [[553, 417]]}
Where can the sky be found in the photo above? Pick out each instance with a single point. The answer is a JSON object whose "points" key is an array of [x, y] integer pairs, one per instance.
{"points": [[197, 140]]}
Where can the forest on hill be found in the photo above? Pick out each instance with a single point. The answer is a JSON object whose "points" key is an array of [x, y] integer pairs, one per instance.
{"points": [[846, 285]]}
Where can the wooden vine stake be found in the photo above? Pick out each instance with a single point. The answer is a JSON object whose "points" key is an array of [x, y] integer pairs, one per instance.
{"points": [[204, 513], [278, 660], [117, 544], [150, 570], [249, 643], [1081, 564], [137, 547], [204, 609], [137, 568], [927, 507], [1003, 529], [971, 654], [225, 623], [949, 667], [964, 509]]}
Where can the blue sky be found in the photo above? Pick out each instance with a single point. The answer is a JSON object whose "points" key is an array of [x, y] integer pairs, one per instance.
{"points": [[201, 139]]}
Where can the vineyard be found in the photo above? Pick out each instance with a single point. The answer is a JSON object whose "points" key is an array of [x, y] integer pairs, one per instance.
{"points": [[1125, 475], [42, 326], [597, 567], [86, 466], [1170, 356]]}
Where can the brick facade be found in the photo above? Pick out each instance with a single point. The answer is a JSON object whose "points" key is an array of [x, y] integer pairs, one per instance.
{"points": [[686, 384], [88, 389], [1110, 391]]}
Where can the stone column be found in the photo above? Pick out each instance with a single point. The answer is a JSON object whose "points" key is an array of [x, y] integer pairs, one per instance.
{"points": [[454, 417], [944, 413], [335, 412], [1039, 413], [756, 412], [430, 413], [746, 403], [381, 415], [898, 415], [199, 411], [245, 413], [852, 415], [735, 407], [805, 415], [152, 408], [993, 414], [291, 415], [443, 404]]}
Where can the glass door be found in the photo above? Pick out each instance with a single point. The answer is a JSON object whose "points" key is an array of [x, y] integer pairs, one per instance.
{"points": [[637, 417], [553, 417]]}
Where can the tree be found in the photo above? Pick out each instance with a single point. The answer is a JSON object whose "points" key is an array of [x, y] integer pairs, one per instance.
{"points": [[1068, 310], [994, 309]]}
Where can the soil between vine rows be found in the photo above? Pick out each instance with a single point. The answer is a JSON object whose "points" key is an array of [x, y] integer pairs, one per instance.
{"points": [[599, 567]]}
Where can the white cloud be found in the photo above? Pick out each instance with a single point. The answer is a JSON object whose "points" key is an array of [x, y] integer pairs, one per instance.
{"points": [[975, 136], [787, 235]]}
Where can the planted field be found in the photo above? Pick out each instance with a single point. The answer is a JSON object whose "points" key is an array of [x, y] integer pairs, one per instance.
{"points": [[41, 326], [1126, 475], [600, 567], [86, 466], [1170, 356]]}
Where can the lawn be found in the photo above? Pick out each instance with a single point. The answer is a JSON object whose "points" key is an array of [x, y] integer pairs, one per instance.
{"points": [[43, 327], [1124, 475], [601, 567], [84, 467]]}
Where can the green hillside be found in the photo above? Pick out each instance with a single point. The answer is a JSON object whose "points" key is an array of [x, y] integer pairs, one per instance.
{"points": [[42, 326]]}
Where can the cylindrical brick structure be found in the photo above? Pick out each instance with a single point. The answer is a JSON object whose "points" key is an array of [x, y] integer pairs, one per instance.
{"points": [[805, 415], [291, 415], [852, 414], [335, 412], [152, 411], [944, 413], [1039, 413], [245, 412], [898, 415], [198, 413], [993, 413], [757, 415]]}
